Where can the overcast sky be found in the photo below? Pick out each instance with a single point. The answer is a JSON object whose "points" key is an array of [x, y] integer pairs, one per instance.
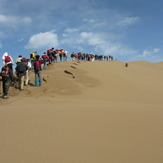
{"points": [[127, 29]]}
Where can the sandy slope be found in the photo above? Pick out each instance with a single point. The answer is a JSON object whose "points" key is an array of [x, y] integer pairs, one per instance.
{"points": [[105, 113]]}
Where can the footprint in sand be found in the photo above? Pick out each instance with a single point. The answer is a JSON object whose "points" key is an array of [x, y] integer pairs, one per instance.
{"points": [[67, 72], [73, 67]]}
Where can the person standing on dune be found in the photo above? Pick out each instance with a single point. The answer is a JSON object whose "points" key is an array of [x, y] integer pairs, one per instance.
{"points": [[5, 77]]}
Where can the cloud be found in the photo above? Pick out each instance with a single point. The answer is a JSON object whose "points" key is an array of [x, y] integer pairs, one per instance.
{"points": [[128, 21], [96, 42], [42, 40], [147, 53], [20, 39], [156, 50], [104, 46], [12, 21], [26, 20], [68, 30], [89, 20], [3, 19], [93, 39]]}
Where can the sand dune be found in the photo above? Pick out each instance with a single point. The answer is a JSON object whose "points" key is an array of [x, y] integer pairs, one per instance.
{"points": [[86, 112]]}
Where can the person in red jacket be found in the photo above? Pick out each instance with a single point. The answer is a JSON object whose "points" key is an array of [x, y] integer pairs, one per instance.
{"points": [[46, 59], [38, 70], [7, 60]]}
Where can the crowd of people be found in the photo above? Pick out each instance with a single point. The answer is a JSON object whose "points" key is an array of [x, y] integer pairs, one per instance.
{"points": [[24, 66], [90, 57], [36, 64]]}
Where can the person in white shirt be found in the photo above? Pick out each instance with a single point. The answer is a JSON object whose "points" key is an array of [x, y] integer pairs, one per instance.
{"points": [[28, 72], [8, 61], [18, 60]]}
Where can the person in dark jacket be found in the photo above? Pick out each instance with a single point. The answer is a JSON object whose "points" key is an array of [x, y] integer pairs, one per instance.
{"points": [[21, 69], [6, 81]]}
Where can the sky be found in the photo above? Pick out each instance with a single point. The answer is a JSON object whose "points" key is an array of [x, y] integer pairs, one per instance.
{"points": [[129, 30]]}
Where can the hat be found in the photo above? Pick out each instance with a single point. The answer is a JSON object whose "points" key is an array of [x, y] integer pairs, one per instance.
{"points": [[37, 56], [23, 60]]}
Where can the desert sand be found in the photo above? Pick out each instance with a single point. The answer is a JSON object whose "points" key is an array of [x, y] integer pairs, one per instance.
{"points": [[100, 112]]}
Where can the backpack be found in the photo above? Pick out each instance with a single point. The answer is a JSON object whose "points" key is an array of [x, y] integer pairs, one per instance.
{"points": [[21, 68], [32, 56], [5, 72], [7, 59], [45, 58], [37, 66], [49, 52]]}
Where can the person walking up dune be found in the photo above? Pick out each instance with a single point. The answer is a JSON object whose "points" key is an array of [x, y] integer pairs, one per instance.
{"points": [[6, 82], [38, 70], [21, 69], [46, 59], [18, 60], [8, 61], [50, 53], [27, 72], [32, 58]]}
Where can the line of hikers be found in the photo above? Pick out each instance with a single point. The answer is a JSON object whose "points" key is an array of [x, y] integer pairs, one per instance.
{"points": [[89, 57], [36, 63], [23, 67]]}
